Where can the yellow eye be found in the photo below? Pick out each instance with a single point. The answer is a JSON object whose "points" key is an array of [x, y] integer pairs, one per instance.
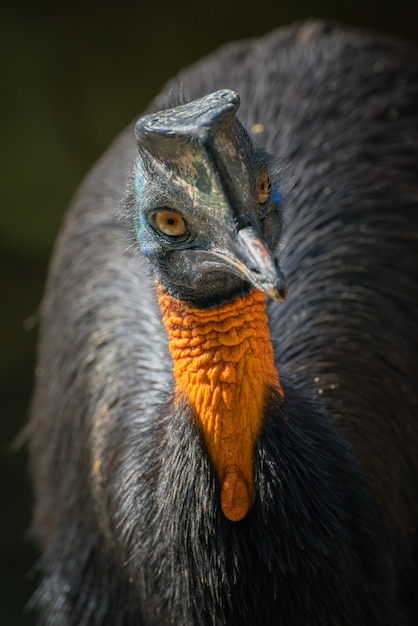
{"points": [[170, 223], [264, 188]]}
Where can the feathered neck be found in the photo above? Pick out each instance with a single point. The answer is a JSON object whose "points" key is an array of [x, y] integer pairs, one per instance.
{"points": [[224, 367]]}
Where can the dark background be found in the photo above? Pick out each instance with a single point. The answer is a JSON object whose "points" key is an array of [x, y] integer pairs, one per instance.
{"points": [[72, 75]]}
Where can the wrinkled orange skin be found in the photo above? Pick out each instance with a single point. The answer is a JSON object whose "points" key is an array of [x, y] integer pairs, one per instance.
{"points": [[223, 365]]}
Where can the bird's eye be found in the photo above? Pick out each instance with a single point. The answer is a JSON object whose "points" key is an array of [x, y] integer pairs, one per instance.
{"points": [[170, 223], [264, 188]]}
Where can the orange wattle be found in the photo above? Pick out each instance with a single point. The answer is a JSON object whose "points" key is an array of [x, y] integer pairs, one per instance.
{"points": [[224, 366]]}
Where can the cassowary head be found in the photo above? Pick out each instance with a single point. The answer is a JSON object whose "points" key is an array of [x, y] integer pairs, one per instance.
{"points": [[206, 215]]}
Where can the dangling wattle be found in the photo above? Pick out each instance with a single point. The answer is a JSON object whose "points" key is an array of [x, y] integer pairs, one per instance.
{"points": [[224, 367]]}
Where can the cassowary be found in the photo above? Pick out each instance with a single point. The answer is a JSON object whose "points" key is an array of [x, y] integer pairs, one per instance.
{"points": [[204, 449]]}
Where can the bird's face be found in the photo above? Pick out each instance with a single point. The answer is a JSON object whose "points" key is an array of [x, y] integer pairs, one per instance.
{"points": [[206, 214]]}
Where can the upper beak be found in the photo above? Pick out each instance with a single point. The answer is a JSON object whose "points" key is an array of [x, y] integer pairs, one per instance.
{"points": [[248, 257], [258, 265]]}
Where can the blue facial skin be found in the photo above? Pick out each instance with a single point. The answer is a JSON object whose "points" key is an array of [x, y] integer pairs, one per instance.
{"points": [[276, 196]]}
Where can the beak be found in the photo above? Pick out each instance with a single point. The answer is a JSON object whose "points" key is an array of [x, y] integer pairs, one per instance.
{"points": [[248, 257], [258, 265]]}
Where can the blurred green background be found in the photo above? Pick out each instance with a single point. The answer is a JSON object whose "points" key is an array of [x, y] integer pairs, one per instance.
{"points": [[73, 74]]}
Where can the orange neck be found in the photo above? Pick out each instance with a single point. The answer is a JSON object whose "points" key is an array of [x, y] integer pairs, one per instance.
{"points": [[223, 366]]}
